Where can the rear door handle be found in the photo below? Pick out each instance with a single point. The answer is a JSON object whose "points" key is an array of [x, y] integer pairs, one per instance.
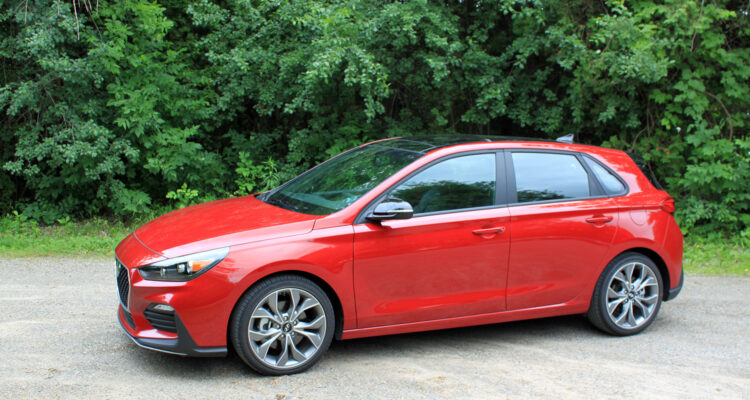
{"points": [[489, 231], [600, 219]]}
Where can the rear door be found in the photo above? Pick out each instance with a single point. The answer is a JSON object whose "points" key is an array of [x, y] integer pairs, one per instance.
{"points": [[449, 259], [563, 224]]}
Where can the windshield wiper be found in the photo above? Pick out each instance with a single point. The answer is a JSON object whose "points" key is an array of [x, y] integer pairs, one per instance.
{"points": [[276, 201]]}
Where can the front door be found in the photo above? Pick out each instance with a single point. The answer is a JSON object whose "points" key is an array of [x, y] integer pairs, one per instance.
{"points": [[449, 260]]}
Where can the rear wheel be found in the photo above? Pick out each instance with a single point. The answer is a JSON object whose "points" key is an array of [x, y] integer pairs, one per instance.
{"points": [[628, 295], [283, 325]]}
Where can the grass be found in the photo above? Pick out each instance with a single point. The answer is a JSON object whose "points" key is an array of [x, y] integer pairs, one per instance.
{"points": [[95, 237], [98, 237], [717, 257]]}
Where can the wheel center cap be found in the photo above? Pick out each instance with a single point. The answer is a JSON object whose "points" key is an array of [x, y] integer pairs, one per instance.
{"points": [[287, 327]]}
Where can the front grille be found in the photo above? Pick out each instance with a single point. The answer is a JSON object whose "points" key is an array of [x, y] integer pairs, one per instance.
{"points": [[161, 320], [123, 284]]}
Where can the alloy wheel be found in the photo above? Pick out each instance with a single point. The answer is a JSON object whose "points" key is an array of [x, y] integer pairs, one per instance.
{"points": [[287, 328], [632, 295]]}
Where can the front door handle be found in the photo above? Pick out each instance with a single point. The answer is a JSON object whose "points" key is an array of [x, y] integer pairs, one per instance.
{"points": [[600, 219], [489, 231]]}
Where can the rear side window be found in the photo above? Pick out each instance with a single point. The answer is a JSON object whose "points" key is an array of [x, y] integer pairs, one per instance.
{"points": [[609, 182], [454, 184], [549, 176]]}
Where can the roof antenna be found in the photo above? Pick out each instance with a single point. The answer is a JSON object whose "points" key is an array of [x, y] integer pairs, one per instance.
{"points": [[565, 139]]}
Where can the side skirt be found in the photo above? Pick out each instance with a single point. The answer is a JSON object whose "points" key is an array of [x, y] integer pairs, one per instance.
{"points": [[471, 320]]}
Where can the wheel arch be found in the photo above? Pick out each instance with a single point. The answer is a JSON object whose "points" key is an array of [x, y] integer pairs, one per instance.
{"points": [[322, 283], [660, 263]]}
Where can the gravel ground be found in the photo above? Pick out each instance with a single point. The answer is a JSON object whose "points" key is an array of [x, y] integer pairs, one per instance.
{"points": [[59, 339]]}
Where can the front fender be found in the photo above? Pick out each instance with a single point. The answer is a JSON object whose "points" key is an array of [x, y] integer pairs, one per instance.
{"points": [[323, 253]]}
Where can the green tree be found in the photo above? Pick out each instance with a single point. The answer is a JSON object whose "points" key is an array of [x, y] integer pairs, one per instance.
{"points": [[158, 94]]}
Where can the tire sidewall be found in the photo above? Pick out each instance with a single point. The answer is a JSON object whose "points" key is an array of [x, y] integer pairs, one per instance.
{"points": [[251, 300], [601, 299]]}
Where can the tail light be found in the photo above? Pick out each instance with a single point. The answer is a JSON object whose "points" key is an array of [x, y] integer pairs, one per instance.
{"points": [[668, 205]]}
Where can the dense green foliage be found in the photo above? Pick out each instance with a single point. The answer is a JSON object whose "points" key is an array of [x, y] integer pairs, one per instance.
{"points": [[176, 102]]}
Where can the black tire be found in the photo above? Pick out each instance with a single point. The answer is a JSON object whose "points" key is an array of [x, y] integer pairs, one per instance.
{"points": [[260, 292], [599, 314]]}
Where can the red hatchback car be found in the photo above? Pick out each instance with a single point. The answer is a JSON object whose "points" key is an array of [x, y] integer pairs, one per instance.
{"points": [[404, 235]]}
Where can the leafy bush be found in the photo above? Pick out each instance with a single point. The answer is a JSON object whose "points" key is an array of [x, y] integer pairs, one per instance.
{"points": [[183, 196], [233, 97], [256, 178]]}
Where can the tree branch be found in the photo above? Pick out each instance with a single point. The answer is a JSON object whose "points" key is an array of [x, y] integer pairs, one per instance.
{"points": [[75, 11], [726, 111]]}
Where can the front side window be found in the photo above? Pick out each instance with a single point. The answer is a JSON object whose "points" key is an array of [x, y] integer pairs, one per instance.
{"points": [[454, 184], [339, 182], [549, 176]]}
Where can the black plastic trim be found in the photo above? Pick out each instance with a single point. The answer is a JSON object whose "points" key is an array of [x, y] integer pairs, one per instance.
{"points": [[595, 187], [500, 187], [128, 318], [510, 177], [674, 292], [182, 346], [123, 288]]}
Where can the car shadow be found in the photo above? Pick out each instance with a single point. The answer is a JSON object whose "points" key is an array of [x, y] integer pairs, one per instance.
{"points": [[475, 338], [527, 332]]}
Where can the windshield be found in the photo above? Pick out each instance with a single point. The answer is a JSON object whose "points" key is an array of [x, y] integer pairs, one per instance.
{"points": [[340, 181]]}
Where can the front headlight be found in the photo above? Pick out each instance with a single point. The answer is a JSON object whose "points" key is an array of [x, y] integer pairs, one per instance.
{"points": [[183, 268]]}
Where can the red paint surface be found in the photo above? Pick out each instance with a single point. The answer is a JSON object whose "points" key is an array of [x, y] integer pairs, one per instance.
{"points": [[430, 267], [220, 223], [554, 248]]}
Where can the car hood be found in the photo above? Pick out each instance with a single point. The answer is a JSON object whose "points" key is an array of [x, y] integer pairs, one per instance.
{"points": [[220, 223]]}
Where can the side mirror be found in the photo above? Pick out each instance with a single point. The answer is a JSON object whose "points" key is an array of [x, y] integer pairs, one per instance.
{"points": [[391, 208]]}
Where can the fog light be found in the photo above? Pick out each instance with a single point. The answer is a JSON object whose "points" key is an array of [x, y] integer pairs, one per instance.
{"points": [[162, 308]]}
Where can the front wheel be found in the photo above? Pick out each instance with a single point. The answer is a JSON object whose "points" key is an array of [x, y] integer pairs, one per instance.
{"points": [[283, 325], [627, 296]]}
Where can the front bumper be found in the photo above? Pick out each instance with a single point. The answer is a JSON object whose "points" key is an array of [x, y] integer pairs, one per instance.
{"points": [[202, 307], [182, 345]]}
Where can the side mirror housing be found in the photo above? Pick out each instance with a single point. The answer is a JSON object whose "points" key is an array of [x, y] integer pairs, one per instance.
{"points": [[391, 208]]}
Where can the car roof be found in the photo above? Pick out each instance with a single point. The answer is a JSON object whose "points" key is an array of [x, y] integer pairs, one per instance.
{"points": [[426, 144]]}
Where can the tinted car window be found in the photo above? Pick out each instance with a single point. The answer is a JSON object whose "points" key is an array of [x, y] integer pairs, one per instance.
{"points": [[341, 180], [609, 182], [549, 176], [453, 184]]}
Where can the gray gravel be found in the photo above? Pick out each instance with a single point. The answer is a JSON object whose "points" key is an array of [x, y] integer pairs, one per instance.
{"points": [[59, 339]]}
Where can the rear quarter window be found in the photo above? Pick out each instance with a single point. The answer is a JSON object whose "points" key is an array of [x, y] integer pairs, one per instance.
{"points": [[610, 183]]}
